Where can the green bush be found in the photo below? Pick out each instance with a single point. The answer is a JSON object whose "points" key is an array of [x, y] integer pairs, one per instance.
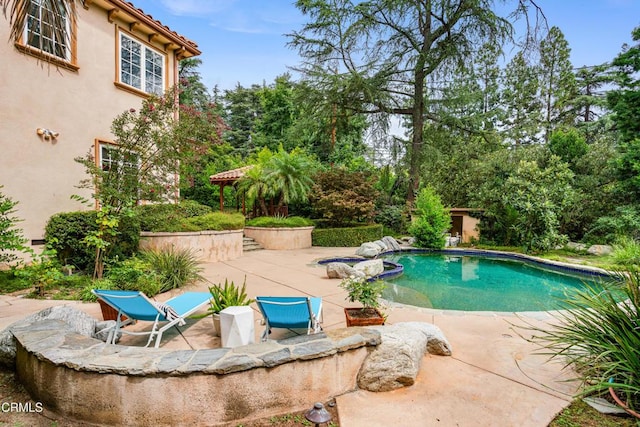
{"points": [[393, 217], [11, 238], [159, 217], [215, 221], [65, 232], [185, 216], [346, 237], [626, 251], [432, 222], [277, 221], [135, 274], [624, 222], [342, 197], [174, 267]]}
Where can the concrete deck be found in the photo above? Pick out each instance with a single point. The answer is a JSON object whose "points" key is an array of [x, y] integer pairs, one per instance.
{"points": [[494, 377]]}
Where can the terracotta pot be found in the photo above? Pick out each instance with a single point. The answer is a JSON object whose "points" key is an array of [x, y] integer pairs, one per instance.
{"points": [[108, 312], [363, 316]]}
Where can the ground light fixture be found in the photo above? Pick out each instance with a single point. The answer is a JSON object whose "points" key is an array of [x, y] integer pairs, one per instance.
{"points": [[318, 415]]}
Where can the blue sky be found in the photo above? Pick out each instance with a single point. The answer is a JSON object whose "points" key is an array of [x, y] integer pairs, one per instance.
{"points": [[243, 41]]}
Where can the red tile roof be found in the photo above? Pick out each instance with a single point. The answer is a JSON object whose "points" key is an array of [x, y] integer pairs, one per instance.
{"points": [[135, 12], [230, 175]]}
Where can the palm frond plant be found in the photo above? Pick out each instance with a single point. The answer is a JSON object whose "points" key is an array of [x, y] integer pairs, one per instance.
{"points": [[599, 336]]}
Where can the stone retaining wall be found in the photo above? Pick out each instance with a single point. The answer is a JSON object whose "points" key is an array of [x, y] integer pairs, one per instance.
{"points": [[87, 380], [210, 246]]}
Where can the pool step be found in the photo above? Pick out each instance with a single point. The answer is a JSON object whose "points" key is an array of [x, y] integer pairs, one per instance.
{"points": [[248, 244]]}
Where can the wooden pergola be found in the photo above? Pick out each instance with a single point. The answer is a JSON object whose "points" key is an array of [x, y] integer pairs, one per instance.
{"points": [[229, 177]]}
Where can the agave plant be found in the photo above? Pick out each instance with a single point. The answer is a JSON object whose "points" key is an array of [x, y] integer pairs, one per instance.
{"points": [[228, 295]]}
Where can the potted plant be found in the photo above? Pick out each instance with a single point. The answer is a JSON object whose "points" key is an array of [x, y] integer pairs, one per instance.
{"points": [[366, 293], [227, 295]]}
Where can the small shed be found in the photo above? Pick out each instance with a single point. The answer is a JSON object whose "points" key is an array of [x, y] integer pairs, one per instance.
{"points": [[229, 177], [464, 223]]}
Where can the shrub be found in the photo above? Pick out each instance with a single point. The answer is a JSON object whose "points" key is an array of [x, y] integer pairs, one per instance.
{"points": [[626, 251], [65, 233], [625, 222], [134, 274], [215, 221], [346, 237], [163, 216], [394, 217], [432, 222], [601, 342], [186, 216], [363, 291], [343, 197], [276, 221], [11, 237], [174, 267]]}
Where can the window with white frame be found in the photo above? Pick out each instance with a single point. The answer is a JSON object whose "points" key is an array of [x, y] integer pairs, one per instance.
{"points": [[111, 157], [140, 66], [48, 28]]}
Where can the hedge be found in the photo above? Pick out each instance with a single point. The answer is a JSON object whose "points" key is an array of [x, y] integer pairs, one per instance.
{"points": [[346, 237], [278, 222], [65, 232]]}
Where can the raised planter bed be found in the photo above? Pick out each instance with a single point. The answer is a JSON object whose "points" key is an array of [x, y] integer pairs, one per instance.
{"points": [[281, 237], [209, 246]]}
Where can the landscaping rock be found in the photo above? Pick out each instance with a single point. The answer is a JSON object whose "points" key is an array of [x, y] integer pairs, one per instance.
{"points": [[600, 250], [368, 250], [396, 361], [341, 270], [392, 243], [78, 321], [381, 245], [576, 246], [370, 268]]}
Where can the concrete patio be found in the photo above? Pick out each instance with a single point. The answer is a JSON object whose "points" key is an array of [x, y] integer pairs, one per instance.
{"points": [[494, 377]]}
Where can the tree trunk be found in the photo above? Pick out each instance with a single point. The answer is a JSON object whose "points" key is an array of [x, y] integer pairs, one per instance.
{"points": [[417, 139]]}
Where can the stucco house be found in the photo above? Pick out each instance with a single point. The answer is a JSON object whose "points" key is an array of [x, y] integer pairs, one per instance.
{"points": [[53, 113]]}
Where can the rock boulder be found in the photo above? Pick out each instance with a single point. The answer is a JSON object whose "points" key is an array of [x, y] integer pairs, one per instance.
{"points": [[396, 361], [370, 268], [341, 270]]}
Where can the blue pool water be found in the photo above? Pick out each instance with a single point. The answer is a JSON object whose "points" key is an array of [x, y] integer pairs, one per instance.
{"points": [[477, 283]]}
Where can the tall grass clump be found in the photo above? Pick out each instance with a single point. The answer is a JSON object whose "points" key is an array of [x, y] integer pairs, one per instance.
{"points": [[626, 251], [599, 335], [175, 268]]}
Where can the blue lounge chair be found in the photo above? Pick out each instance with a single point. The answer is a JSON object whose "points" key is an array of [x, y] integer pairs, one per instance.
{"points": [[290, 313], [137, 306]]}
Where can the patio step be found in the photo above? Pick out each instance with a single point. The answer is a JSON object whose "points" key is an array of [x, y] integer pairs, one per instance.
{"points": [[248, 244]]}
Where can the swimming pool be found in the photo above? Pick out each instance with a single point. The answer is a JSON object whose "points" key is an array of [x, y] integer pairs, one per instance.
{"points": [[471, 282]]}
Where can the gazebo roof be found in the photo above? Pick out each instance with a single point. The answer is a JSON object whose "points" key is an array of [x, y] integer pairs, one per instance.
{"points": [[230, 176]]}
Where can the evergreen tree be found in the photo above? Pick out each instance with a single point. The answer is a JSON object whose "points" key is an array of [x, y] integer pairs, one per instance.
{"points": [[521, 102], [625, 104], [557, 82]]}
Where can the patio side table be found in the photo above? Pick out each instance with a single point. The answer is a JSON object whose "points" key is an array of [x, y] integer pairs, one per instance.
{"points": [[237, 326]]}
